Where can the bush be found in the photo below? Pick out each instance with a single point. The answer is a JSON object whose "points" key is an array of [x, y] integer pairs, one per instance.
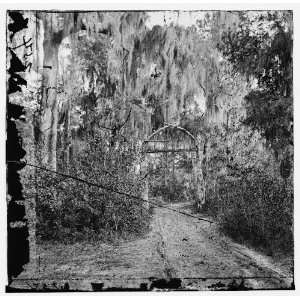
{"points": [[70, 210], [255, 208]]}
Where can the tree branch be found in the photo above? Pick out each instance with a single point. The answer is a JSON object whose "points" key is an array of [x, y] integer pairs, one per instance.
{"points": [[204, 91], [122, 125]]}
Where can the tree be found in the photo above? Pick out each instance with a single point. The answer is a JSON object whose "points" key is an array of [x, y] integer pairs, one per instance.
{"points": [[53, 28], [261, 49]]}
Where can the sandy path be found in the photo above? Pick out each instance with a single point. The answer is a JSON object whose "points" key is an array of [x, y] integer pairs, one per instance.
{"points": [[176, 247]]}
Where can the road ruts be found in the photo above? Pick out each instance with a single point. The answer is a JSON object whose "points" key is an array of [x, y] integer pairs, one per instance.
{"points": [[204, 259], [180, 251]]}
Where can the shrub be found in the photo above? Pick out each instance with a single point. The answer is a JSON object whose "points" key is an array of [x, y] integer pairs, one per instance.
{"points": [[69, 210], [255, 208]]}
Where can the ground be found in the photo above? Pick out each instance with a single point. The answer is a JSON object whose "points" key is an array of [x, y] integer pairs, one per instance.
{"points": [[179, 252]]}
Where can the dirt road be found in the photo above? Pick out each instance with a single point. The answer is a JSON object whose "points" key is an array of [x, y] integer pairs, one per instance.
{"points": [[179, 252]]}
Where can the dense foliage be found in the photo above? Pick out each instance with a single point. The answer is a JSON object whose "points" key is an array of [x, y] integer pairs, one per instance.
{"points": [[228, 81], [261, 49], [255, 208], [249, 182], [71, 210]]}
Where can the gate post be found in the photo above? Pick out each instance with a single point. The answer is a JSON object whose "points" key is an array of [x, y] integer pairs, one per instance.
{"points": [[198, 174], [145, 194], [141, 170]]}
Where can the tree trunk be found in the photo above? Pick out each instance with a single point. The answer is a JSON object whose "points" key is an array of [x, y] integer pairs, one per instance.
{"points": [[66, 139], [48, 115], [47, 123]]}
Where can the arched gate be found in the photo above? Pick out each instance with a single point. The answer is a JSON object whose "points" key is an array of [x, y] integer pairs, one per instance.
{"points": [[172, 140]]}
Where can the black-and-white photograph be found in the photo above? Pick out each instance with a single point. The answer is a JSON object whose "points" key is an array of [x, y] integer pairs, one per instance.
{"points": [[149, 150]]}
